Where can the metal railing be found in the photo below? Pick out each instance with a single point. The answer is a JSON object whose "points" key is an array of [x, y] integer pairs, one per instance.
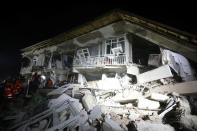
{"points": [[100, 61]]}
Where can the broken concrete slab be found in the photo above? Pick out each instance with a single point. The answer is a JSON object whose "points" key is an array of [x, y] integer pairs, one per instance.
{"points": [[186, 88], [147, 104], [155, 74]]}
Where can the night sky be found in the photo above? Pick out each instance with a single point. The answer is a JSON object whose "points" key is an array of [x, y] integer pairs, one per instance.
{"points": [[24, 25]]}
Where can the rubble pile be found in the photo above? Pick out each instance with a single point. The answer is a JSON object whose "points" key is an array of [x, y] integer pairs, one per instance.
{"points": [[97, 106], [119, 72]]}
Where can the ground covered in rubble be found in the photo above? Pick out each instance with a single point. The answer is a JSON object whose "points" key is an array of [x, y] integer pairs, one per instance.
{"points": [[91, 107]]}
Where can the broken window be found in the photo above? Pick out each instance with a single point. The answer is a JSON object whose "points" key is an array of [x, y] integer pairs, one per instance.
{"points": [[141, 49], [82, 53], [115, 45]]}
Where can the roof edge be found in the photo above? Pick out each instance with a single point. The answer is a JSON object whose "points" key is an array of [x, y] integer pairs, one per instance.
{"points": [[112, 17]]}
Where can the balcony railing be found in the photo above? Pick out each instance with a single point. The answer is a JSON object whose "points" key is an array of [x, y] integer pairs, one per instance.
{"points": [[100, 61]]}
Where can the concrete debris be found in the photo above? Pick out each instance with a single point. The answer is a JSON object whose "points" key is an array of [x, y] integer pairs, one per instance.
{"points": [[159, 97], [115, 110], [114, 101], [117, 77], [148, 104], [110, 109]]}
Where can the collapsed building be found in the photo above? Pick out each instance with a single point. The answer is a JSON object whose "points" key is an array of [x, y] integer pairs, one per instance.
{"points": [[118, 72]]}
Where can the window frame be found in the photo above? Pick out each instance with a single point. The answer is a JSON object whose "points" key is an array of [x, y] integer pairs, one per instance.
{"points": [[113, 43]]}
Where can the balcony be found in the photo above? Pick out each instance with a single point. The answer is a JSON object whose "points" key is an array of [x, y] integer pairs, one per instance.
{"points": [[99, 61]]}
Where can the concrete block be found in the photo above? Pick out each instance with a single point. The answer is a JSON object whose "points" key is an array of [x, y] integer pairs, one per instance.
{"points": [[159, 97], [148, 104]]}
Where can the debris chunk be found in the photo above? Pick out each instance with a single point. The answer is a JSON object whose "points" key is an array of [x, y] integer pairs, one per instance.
{"points": [[148, 104], [159, 97]]}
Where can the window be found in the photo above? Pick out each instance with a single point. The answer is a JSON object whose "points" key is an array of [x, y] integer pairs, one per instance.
{"points": [[117, 44], [82, 53]]}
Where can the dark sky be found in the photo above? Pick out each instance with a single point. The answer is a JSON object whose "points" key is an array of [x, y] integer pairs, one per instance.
{"points": [[24, 25]]}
